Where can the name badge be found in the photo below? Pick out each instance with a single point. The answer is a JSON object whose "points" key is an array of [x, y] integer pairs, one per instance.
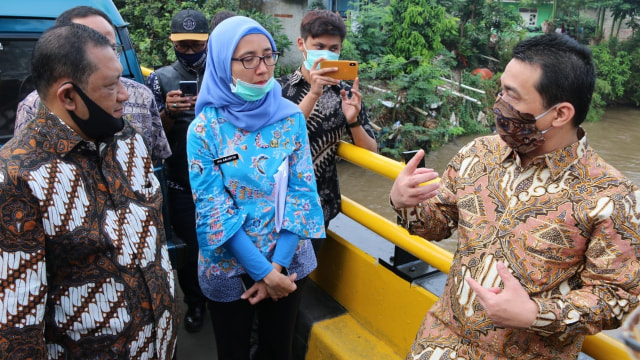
{"points": [[224, 159]]}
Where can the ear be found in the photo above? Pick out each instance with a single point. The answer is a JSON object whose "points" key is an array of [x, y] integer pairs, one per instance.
{"points": [[67, 96], [301, 44], [564, 114]]}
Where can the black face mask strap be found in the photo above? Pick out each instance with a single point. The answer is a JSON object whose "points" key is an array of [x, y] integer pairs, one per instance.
{"points": [[100, 124], [84, 96]]}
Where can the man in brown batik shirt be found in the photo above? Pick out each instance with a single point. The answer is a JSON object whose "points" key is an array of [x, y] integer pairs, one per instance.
{"points": [[549, 233]]}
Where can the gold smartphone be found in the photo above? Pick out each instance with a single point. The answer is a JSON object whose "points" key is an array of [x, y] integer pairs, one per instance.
{"points": [[347, 69]]}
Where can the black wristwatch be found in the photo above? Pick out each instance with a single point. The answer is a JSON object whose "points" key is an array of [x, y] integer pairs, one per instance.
{"points": [[354, 124]]}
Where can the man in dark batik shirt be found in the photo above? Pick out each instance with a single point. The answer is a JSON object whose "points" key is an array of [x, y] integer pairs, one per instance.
{"points": [[332, 108], [86, 272]]}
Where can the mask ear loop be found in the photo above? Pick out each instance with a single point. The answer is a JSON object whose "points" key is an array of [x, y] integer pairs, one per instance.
{"points": [[542, 115], [546, 112], [306, 51]]}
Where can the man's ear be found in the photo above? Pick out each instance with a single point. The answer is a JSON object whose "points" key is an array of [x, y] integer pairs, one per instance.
{"points": [[301, 44], [67, 96], [564, 114]]}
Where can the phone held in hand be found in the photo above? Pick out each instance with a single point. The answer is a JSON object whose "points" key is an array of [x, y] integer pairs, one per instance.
{"points": [[347, 69], [189, 88]]}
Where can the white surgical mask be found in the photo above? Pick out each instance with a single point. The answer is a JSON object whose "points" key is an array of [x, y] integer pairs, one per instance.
{"points": [[313, 55]]}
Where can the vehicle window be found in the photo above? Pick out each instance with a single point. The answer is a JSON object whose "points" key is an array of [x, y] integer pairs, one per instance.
{"points": [[15, 80], [130, 65]]}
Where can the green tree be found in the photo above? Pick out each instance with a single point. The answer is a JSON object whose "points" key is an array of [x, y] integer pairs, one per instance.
{"points": [[483, 26], [418, 28], [150, 24], [620, 11], [613, 72], [367, 31]]}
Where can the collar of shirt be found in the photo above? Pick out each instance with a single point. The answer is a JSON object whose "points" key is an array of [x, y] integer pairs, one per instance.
{"points": [[62, 138], [557, 161]]}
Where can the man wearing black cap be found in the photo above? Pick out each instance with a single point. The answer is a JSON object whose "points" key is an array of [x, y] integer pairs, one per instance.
{"points": [[189, 35]]}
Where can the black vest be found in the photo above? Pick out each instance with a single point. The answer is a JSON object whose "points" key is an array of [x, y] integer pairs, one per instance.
{"points": [[169, 78]]}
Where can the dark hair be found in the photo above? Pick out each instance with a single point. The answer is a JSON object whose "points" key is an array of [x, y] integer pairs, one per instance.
{"points": [[81, 12], [568, 72], [219, 17], [61, 52], [322, 22]]}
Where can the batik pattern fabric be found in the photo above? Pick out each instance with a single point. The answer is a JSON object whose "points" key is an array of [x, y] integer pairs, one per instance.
{"points": [[567, 226], [140, 110], [326, 126], [85, 271], [232, 179]]}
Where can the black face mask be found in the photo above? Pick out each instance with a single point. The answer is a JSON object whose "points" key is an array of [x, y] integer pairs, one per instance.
{"points": [[100, 124], [193, 61]]}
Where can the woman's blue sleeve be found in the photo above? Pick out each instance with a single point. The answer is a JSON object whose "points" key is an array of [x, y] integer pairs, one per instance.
{"points": [[285, 248], [244, 250]]}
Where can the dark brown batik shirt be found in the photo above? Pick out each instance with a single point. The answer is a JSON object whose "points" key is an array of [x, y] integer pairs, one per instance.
{"points": [[84, 266]]}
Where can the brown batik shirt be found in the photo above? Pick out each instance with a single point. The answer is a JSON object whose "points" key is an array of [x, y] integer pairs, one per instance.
{"points": [[567, 226], [84, 267]]}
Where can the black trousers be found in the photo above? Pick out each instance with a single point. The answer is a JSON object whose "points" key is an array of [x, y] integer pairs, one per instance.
{"points": [[183, 220], [233, 323]]}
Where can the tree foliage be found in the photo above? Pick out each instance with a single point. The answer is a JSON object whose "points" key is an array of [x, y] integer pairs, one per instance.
{"points": [[483, 27], [404, 58], [418, 28], [406, 47], [366, 39], [150, 24]]}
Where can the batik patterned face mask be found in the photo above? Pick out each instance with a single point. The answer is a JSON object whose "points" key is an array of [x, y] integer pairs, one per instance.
{"points": [[518, 129]]}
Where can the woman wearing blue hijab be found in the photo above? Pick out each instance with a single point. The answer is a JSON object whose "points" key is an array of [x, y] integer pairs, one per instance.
{"points": [[254, 188]]}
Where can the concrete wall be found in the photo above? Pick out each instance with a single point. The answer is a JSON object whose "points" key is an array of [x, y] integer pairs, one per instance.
{"points": [[290, 14], [625, 31]]}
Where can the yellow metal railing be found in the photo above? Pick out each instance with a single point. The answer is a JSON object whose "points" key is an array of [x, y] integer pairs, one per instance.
{"points": [[145, 71], [600, 346]]}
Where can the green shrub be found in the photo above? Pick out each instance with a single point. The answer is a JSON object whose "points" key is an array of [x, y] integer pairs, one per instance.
{"points": [[613, 72], [150, 24]]}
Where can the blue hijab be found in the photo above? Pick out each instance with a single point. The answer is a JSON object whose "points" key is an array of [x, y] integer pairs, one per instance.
{"points": [[216, 90]]}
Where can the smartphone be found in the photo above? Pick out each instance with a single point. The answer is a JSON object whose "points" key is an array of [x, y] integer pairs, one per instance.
{"points": [[189, 88], [408, 155], [347, 69], [247, 281]]}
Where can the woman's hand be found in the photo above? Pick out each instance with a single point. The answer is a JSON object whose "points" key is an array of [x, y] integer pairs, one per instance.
{"points": [[275, 285], [256, 293], [279, 285]]}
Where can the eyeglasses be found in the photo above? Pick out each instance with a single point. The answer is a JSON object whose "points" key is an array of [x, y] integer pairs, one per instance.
{"points": [[184, 47], [117, 49], [253, 61]]}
